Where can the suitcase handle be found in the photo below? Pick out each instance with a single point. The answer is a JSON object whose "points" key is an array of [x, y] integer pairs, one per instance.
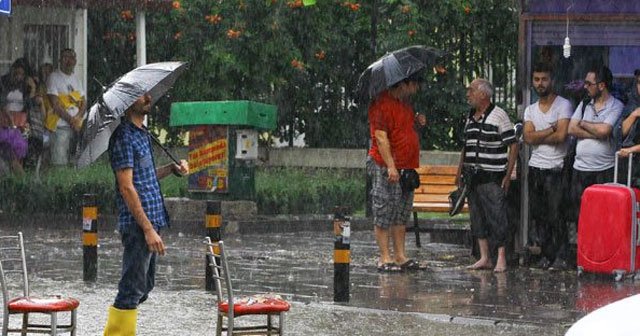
{"points": [[615, 169], [615, 180]]}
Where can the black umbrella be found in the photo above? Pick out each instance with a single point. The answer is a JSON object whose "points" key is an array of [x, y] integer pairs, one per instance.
{"points": [[394, 67], [457, 199], [104, 116]]}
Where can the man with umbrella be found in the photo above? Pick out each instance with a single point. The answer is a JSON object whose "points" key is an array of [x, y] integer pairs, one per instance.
{"points": [[141, 213], [394, 146], [389, 83]]}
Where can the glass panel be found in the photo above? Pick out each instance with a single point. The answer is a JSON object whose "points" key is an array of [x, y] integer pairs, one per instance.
{"points": [[44, 43]]}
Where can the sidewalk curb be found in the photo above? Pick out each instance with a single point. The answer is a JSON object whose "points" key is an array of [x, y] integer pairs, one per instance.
{"points": [[440, 318], [440, 230]]}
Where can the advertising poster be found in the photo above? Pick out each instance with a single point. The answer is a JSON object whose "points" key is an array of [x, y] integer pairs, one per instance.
{"points": [[209, 159]]}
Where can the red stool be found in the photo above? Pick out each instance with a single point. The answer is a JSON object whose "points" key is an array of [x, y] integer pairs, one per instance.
{"points": [[230, 307], [13, 262]]}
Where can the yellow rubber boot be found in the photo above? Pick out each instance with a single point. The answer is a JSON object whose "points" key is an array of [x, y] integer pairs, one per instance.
{"points": [[121, 322]]}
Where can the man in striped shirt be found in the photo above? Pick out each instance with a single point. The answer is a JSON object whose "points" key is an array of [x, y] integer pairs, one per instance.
{"points": [[489, 154]]}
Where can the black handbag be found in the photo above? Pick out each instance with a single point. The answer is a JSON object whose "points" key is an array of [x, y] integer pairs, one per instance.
{"points": [[457, 199], [409, 180]]}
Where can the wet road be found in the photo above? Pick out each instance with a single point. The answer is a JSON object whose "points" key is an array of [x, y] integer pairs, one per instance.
{"points": [[444, 300]]}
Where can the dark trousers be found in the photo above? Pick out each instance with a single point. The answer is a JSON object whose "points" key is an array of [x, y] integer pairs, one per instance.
{"points": [[488, 213], [545, 195], [581, 180], [138, 270]]}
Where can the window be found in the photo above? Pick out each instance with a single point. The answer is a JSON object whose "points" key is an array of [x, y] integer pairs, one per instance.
{"points": [[44, 43]]}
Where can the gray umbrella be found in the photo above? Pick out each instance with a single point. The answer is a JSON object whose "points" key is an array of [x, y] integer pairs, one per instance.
{"points": [[395, 67], [104, 116]]}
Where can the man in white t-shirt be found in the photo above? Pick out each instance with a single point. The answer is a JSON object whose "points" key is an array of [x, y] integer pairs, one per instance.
{"points": [[68, 100], [545, 128]]}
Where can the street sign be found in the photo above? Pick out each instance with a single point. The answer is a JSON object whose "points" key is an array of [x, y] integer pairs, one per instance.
{"points": [[5, 7]]}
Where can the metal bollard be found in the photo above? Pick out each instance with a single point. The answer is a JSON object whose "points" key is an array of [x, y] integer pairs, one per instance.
{"points": [[213, 223], [341, 254], [89, 237]]}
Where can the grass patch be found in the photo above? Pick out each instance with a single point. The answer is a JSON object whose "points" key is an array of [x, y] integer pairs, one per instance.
{"points": [[278, 190], [308, 190]]}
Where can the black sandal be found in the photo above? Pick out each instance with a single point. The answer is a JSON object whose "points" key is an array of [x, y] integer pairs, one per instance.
{"points": [[389, 268], [412, 265]]}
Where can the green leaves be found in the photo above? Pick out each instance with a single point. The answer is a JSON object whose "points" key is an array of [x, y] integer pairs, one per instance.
{"points": [[306, 56]]}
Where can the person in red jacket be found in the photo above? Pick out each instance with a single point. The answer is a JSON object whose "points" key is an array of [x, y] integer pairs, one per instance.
{"points": [[395, 146]]}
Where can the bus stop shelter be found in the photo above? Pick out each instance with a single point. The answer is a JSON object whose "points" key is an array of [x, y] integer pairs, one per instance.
{"points": [[598, 31]]}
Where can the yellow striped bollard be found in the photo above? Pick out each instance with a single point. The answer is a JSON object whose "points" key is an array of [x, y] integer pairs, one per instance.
{"points": [[89, 237], [341, 254], [213, 223]]}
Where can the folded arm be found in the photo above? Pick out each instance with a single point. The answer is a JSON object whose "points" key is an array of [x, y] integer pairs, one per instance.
{"points": [[553, 135]]}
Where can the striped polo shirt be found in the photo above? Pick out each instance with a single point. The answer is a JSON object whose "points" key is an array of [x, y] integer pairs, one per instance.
{"points": [[488, 139]]}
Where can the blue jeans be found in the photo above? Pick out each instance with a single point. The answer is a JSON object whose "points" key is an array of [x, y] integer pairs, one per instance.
{"points": [[138, 270]]}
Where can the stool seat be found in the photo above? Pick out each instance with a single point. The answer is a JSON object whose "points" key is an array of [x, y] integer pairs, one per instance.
{"points": [[42, 304], [256, 304], [267, 305], [18, 301]]}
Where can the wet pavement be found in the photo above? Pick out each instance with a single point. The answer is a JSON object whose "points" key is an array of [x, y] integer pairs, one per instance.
{"points": [[444, 300]]}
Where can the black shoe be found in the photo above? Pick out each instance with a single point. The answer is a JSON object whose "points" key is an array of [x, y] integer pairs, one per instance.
{"points": [[559, 265]]}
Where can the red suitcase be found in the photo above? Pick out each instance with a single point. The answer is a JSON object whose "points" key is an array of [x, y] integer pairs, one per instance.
{"points": [[608, 229]]}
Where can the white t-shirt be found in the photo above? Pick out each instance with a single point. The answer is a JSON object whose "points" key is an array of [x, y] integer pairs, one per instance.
{"points": [[547, 156], [597, 154], [62, 84]]}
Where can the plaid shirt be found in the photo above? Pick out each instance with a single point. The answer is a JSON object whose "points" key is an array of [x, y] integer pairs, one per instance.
{"points": [[130, 147]]}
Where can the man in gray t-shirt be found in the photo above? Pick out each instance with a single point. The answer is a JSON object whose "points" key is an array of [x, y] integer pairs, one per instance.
{"points": [[595, 149], [545, 129]]}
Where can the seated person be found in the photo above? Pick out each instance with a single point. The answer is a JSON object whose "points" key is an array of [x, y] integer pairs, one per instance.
{"points": [[630, 131], [18, 90], [13, 146]]}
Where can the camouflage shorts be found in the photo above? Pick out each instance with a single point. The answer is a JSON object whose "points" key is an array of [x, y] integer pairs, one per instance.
{"points": [[389, 204]]}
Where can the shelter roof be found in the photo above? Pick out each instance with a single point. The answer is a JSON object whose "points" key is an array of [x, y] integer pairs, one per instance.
{"points": [[580, 6]]}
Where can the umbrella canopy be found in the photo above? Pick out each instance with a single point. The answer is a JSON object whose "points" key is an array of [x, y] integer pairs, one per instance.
{"points": [[394, 67], [104, 116]]}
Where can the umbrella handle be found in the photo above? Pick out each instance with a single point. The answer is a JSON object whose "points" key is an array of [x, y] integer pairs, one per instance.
{"points": [[166, 151]]}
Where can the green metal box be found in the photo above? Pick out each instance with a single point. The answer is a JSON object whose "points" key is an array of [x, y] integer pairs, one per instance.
{"points": [[240, 112], [217, 173]]}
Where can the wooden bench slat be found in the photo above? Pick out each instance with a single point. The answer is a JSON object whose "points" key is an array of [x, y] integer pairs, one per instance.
{"points": [[435, 207], [436, 182], [437, 170], [430, 198], [435, 189], [437, 179]]}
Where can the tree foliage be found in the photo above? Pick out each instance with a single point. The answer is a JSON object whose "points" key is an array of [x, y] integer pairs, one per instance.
{"points": [[307, 59]]}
